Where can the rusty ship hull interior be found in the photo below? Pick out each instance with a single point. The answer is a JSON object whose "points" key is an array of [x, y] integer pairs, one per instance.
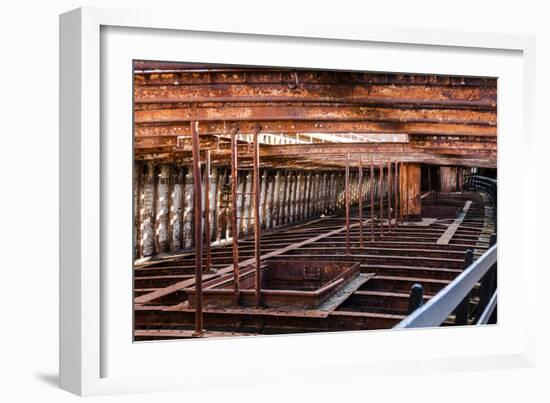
{"points": [[280, 201]]}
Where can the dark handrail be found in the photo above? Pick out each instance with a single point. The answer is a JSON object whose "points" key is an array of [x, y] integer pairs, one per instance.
{"points": [[439, 307], [489, 310], [483, 184]]}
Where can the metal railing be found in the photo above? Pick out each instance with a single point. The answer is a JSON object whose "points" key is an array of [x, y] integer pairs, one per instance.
{"points": [[455, 297], [483, 184]]}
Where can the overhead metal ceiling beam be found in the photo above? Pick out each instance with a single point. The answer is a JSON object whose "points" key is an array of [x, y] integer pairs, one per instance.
{"points": [[292, 127], [318, 114], [386, 94]]}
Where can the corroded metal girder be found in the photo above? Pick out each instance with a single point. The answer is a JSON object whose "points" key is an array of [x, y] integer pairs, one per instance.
{"points": [[323, 161], [318, 113], [179, 73], [306, 92], [415, 150], [454, 145], [293, 127]]}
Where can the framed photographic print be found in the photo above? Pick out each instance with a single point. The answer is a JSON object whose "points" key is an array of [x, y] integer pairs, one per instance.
{"points": [[253, 199]]}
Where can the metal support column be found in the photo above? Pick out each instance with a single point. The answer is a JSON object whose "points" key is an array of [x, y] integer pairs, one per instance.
{"points": [[396, 191], [234, 221], [401, 193], [380, 189], [208, 265], [389, 194], [407, 192], [360, 179], [256, 191], [346, 201], [198, 227], [371, 199]]}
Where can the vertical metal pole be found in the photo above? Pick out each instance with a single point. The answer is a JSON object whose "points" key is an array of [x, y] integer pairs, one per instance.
{"points": [[207, 234], [140, 184], [154, 208], [381, 199], [234, 223], [463, 310], [396, 190], [407, 192], [198, 227], [416, 298], [389, 194], [371, 199], [256, 191], [346, 200], [429, 178], [401, 185], [360, 179]]}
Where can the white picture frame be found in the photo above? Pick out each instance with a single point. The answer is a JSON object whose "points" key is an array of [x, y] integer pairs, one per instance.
{"points": [[96, 357]]}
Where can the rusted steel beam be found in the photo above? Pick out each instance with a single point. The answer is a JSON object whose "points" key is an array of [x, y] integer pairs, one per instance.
{"points": [[178, 143], [448, 179], [172, 73], [389, 194], [158, 145], [316, 113], [381, 203], [322, 163], [410, 191], [182, 144], [293, 127], [170, 207], [342, 93], [360, 190], [304, 152], [335, 149], [371, 199], [435, 145], [347, 202], [401, 198], [207, 234], [429, 178], [153, 212], [198, 230], [138, 213], [234, 214], [257, 229], [407, 191], [396, 192]]}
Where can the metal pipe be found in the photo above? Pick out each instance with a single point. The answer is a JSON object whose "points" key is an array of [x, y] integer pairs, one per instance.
{"points": [[429, 178], [389, 194], [371, 199], [234, 221], [360, 179], [140, 185], [198, 228], [207, 235], [381, 179], [407, 192], [401, 192], [416, 297], [256, 191], [346, 201], [154, 208], [396, 191]]}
